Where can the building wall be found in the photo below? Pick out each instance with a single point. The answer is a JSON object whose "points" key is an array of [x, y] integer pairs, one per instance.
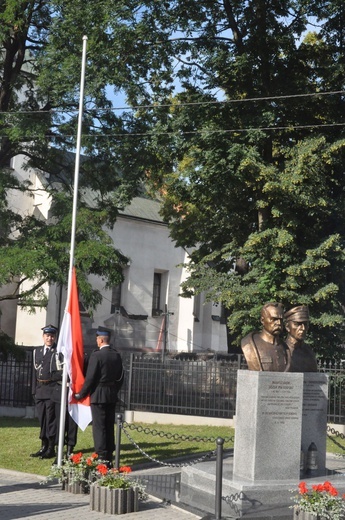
{"points": [[25, 328], [150, 250]]}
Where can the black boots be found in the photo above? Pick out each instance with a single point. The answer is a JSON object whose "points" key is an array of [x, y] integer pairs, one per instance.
{"points": [[69, 451], [68, 454], [42, 450], [50, 452]]}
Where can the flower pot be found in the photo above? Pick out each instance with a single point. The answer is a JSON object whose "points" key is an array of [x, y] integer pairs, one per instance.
{"points": [[75, 486], [113, 501], [304, 515]]}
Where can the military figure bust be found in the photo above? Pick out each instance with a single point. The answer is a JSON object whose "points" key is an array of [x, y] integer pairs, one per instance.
{"points": [[302, 357], [265, 350]]}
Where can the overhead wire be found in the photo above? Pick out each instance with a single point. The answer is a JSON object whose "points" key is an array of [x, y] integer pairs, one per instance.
{"points": [[189, 132], [189, 103], [95, 111]]}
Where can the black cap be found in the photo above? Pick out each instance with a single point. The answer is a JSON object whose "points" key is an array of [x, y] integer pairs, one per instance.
{"points": [[102, 332], [49, 329]]}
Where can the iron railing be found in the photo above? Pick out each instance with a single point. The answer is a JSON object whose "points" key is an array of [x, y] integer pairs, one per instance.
{"points": [[202, 385], [15, 381], [197, 387]]}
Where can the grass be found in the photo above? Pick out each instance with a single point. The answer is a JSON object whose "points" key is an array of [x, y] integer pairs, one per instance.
{"points": [[19, 438]]}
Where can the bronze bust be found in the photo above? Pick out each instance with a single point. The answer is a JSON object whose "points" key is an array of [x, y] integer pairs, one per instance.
{"points": [[302, 357], [265, 350]]}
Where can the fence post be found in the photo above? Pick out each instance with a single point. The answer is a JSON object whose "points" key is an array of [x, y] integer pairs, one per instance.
{"points": [[118, 440], [219, 478], [239, 361], [130, 377]]}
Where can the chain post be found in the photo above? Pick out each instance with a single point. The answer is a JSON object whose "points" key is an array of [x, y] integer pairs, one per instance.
{"points": [[219, 478], [118, 440]]}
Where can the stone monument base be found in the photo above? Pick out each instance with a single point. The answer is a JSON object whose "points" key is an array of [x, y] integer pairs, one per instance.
{"points": [[267, 500]]}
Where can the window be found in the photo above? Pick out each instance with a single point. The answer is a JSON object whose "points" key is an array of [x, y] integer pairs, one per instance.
{"points": [[196, 307], [115, 298], [156, 296]]}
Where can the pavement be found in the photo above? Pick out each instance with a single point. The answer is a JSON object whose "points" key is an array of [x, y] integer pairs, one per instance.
{"points": [[26, 496], [22, 495]]}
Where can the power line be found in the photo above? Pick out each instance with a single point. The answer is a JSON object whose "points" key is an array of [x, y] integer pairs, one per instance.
{"points": [[194, 132], [191, 103]]}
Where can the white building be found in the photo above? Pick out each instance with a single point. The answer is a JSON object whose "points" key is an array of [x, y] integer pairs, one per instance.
{"points": [[146, 311]]}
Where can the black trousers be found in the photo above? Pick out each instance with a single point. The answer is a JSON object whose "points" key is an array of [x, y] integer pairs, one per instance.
{"points": [[71, 428], [45, 409], [103, 429]]}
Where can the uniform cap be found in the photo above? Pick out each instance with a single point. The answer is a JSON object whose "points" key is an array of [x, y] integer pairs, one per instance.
{"points": [[49, 329], [101, 332], [300, 313]]}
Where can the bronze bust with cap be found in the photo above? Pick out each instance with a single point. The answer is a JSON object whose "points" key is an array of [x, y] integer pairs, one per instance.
{"points": [[266, 350], [302, 356]]}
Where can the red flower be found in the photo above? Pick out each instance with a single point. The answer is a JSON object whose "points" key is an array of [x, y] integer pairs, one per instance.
{"points": [[102, 469], [125, 469], [302, 488], [318, 487], [76, 458]]}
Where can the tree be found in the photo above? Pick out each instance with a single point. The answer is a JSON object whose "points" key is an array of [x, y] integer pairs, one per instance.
{"points": [[235, 119], [248, 151], [40, 61]]}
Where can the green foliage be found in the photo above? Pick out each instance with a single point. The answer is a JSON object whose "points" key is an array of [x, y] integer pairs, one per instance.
{"points": [[40, 66], [236, 123], [252, 186]]}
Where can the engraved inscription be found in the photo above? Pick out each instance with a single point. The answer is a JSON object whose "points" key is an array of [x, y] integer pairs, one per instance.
{"points": [[314, 398], [280, 403]]}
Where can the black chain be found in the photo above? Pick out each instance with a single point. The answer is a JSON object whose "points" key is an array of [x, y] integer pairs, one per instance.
{"points": [[174, 436], [174, 465], [232, 499], [229, 499], [336, 433]]}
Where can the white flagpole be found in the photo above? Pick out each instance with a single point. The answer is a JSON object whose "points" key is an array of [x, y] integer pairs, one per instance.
{"points": [[73, 228]]}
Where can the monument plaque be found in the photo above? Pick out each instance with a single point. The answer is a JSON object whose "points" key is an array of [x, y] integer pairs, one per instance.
{"points": [[314, 418], [268, 425]]}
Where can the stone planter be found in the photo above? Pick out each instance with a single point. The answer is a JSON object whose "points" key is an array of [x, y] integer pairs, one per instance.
{"points": [[303, 515], [74, 486], [113, 501], [77, 488]]}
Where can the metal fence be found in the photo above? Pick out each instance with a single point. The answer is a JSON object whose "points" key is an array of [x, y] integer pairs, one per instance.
{"points": [[182, 384], [205, 387], [336, 391], [15, 381]]}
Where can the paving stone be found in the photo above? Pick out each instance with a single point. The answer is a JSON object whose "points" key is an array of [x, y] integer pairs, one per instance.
{"points": [[23, 497]]}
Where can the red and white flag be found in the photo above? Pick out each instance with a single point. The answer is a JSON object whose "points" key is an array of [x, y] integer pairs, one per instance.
{"points": [[70, 344]]}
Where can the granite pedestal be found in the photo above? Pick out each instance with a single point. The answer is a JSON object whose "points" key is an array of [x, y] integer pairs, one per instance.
{"points": [[278, 416], [268, 426]]}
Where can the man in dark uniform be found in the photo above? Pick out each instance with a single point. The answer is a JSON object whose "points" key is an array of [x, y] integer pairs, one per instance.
{"points": [[104, 378], [42, 385]]}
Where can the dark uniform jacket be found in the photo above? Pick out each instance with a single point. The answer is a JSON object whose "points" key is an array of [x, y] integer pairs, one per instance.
{"points": [[57, 370], [44, 367], [104, 376]]}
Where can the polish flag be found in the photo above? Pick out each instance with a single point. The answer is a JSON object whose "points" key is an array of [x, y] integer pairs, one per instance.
{"points": [[71, 345]]}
